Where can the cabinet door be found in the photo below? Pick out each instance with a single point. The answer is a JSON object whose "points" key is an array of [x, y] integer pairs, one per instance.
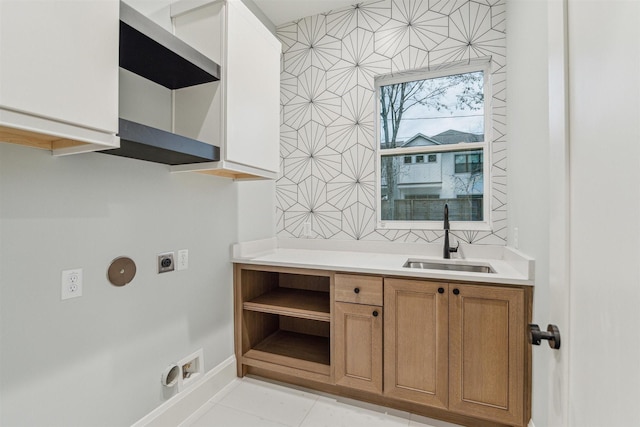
{"points": [[59, 68], [486, 352], [416, 341], [358, 346], [252, 78]]}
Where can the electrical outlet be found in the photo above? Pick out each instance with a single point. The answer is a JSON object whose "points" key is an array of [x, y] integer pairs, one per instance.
{"points": [[165, 262], [71, 283], [183, 259], [306, 229]]}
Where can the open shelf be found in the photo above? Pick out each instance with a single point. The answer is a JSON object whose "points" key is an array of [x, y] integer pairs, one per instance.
{"points": [[286, 321], [150, 51], [299, 303], [154, 53], [296, 350], [138, 141], [298, 346]]}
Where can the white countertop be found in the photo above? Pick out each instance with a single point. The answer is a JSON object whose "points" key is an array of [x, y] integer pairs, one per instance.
{"points": [[387, 258]]}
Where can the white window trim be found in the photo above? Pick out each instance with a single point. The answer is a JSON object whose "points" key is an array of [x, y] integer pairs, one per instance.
{"points": [[481, 64]]}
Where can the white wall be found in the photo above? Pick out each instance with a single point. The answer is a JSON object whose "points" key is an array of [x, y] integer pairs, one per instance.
{"points": [[604, 88], [96, 360], [256, 210], [528, 163]]}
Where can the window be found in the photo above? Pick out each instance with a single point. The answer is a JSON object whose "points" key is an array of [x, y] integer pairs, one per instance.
{"points": [[438, 120], [470, 162], [408, 160]]}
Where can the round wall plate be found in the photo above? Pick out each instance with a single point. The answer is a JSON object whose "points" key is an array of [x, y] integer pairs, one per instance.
{"points": [[121, 271], [170, 376]]}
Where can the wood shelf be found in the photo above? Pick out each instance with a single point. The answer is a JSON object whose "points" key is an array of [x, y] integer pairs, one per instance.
{"points": [[308, 352], [299, 303]]}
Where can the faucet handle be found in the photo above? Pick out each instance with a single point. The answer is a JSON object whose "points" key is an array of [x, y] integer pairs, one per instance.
{"points": [[452, 250]]}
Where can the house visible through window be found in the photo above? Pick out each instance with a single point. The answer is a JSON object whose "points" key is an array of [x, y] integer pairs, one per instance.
{"points": [[470, 162], [432, 146]]}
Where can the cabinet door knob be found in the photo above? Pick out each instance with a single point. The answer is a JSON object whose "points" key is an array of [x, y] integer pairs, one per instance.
{"points": [[375, 313], [456, 291], [441, 290], [356, 290]]}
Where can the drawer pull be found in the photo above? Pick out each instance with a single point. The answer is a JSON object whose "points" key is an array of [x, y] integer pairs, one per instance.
{"points": [[441, 290], [356, 290], [456, 291], [375, 313]]}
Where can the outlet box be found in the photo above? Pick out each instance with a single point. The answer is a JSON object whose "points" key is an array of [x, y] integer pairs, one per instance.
{"points": [[165, 262], [71, 283], [191, 369], [306, 229], [183, 259]]}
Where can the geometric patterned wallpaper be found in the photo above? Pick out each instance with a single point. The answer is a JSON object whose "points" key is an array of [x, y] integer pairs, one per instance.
{"points": [[327, 146]]}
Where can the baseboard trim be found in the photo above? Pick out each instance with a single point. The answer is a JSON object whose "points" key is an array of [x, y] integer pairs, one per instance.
{"points": [[181, 406]]}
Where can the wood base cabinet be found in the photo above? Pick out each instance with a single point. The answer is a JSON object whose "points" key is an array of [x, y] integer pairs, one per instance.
{"points": [[358, 351], [458, 347], [453, 351], [358, 332], [487, 345], [416, 342]]}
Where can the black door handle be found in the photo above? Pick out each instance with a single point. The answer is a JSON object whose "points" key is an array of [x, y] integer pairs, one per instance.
{"points": [[552, 335]]}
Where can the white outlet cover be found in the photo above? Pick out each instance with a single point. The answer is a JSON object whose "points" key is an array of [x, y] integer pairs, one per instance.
{"points": [[71, 284], [182, 262]]}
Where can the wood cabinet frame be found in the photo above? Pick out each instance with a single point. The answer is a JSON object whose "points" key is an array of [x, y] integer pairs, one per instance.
{"points": [[445, 299]]}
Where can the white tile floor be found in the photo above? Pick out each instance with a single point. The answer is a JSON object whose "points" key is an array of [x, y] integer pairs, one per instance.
{"points": [[251, 402]]}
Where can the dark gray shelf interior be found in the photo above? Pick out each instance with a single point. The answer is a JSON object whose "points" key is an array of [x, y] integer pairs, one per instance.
{"points": [[154, 53], [143, 142]]}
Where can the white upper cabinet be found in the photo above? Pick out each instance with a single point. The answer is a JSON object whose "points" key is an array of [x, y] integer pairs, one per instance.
{"points": [[252, 90], [241, 112], [59, 74]]}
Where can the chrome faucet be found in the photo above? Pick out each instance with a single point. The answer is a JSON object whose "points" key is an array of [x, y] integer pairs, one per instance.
{"points": [[447, 250]]}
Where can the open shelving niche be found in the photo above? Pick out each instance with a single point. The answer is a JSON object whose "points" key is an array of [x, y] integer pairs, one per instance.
{"points": [[150, 51], [286, 319]]}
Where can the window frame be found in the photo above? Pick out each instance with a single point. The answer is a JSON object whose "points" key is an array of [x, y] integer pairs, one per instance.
{"points": [[481, 64]]}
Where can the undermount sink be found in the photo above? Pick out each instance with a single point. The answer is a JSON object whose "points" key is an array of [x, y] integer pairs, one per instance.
{"points": [[435, 265]]}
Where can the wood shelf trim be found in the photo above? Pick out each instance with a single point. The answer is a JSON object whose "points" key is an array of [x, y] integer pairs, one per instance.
{"points": [[321, 377], [294, 303], [36, 140]]}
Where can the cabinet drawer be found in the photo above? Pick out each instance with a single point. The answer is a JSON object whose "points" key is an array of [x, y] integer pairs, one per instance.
{"points": [[358, 289]]}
